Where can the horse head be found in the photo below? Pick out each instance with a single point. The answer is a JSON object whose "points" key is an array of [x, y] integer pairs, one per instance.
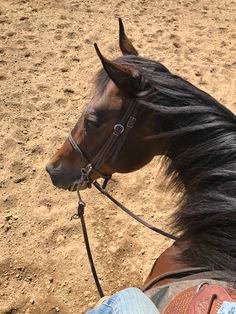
{"points": [[113, 108]]}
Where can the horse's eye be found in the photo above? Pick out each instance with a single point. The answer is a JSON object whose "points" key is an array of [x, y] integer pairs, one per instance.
{"points": [[92, 125]]}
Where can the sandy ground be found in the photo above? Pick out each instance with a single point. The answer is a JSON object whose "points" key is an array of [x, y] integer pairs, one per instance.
{"points": [[47, 62]]}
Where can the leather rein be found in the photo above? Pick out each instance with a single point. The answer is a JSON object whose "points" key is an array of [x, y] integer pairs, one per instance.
{"points": [[110, 149]]}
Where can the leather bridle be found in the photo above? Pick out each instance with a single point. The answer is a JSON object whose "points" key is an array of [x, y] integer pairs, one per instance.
{"points": [[110, 148]]}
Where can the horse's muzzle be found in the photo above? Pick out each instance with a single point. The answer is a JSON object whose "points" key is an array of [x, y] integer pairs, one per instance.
{"points": [[65, 179]]}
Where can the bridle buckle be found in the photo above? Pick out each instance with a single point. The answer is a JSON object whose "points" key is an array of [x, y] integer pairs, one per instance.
{"points": [[118, 129]]}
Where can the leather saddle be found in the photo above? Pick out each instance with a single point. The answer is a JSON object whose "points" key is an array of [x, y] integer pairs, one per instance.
{"points": [[203, 299]]}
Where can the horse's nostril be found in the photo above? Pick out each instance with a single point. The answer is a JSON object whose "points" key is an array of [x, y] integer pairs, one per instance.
{"points": [[49, 168], [51, 171], [54, 169]]}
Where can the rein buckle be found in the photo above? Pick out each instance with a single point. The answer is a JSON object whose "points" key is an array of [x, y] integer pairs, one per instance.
{"points": [[80, 209]]}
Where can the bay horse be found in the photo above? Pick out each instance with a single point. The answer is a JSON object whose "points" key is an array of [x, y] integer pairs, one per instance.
{"points": [[140, 110]]}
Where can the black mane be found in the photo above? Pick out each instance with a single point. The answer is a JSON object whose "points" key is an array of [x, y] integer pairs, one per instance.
{"points": [[201, 148]]}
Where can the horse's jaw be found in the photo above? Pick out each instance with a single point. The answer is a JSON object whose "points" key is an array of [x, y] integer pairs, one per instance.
{"points": [[78, 186]]}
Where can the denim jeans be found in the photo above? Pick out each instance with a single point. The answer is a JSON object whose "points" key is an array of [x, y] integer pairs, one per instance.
{"points": [[127, 301]]}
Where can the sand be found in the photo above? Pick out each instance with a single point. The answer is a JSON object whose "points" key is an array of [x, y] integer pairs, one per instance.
{"points": [[47, 62]]}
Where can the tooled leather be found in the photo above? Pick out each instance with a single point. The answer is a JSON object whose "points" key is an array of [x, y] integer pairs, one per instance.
{"points": [[180, 304], [207, 301], [210, 298]]}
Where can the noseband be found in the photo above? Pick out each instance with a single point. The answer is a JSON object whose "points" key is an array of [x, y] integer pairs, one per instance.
{"points": [[110, 148]]}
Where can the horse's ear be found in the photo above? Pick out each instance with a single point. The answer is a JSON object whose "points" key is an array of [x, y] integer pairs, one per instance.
{"points": [[126, 78], [126, 46]]}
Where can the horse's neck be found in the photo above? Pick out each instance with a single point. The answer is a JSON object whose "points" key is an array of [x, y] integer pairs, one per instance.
{"points": [[168, 261]]}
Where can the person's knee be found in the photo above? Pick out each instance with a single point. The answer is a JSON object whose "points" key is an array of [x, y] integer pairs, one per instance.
{"points": [[131, 292], [133, 300], [127, 301]]}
